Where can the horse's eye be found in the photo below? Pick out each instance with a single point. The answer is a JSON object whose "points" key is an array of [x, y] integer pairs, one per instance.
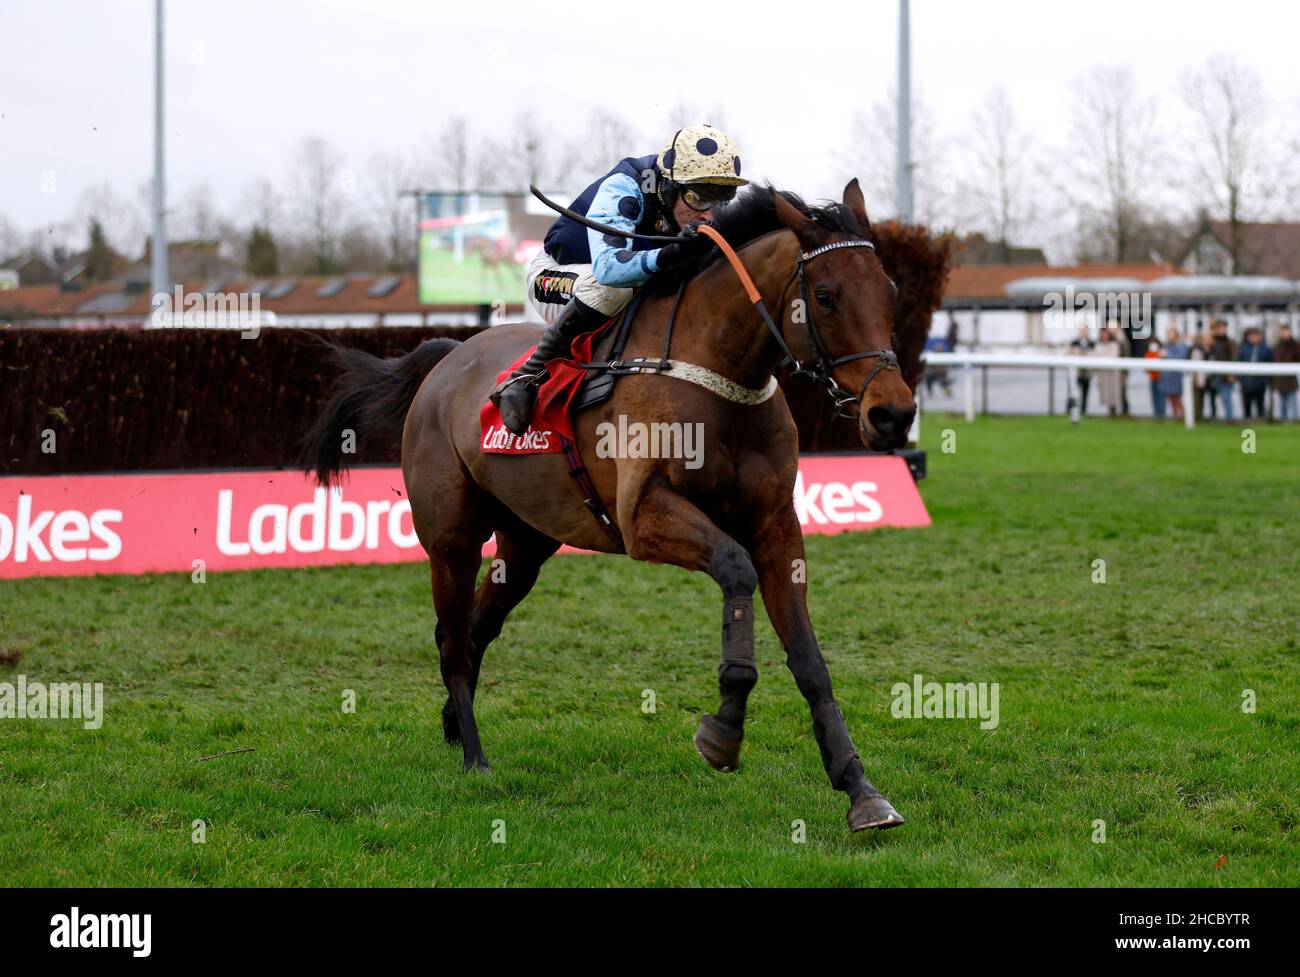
{"points": [[824, 298]]}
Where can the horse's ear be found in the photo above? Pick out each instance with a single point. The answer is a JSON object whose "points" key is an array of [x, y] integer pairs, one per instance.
{"points": [[792, 217], [854, 200]]}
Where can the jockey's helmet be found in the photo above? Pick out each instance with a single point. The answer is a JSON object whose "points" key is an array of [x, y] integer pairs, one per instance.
{"points": [[700, 161]]}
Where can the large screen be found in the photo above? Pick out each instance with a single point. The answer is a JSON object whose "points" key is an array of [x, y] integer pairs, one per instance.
{"points": [[475, 247]]}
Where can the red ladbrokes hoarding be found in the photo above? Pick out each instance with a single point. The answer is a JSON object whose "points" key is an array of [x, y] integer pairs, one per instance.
{"points": [[58, 525]]}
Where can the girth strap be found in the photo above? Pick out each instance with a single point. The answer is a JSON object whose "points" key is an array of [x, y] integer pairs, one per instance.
{"points": [[587, 489]]}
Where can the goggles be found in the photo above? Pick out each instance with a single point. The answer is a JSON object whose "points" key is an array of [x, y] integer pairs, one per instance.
{"points": [[706, 196]]}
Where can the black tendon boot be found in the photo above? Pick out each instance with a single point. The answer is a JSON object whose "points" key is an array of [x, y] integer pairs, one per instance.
{"points": [[517, 394]]}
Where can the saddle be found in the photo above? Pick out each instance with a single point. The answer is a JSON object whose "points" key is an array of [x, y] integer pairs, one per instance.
{"points": [[607, 363]]}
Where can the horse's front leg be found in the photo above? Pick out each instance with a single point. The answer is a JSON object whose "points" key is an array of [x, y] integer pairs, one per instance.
{"points": [[779, 559], [666, 528]]}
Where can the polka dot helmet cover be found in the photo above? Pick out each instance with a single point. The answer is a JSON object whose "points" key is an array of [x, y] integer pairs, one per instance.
{"points": [[701, 154]]}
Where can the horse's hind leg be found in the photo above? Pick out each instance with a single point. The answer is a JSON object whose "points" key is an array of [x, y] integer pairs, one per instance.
{"points": [[521, 551], [453, 566], [450, 518]]}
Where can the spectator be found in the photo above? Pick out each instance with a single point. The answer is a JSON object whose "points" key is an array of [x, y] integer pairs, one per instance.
{"points": [[1157, 395], [1171, 384], [1126, 349], [1082, 346], [1286, 351], [1222, 350], [937, 374], [1109, 390], [1253, 388], [1204, 389]]}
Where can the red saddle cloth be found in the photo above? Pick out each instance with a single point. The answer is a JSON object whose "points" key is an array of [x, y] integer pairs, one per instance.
{"points": [[552, 416]]}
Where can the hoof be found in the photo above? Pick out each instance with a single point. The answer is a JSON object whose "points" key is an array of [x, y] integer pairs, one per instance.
{"points": [[873, 812], [720, 750], [477, 766]]}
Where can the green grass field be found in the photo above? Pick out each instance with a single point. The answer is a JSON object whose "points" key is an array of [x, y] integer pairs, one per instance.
{"points": [[1119, 702]]}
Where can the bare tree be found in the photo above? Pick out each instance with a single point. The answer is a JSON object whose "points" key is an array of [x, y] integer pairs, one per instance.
{"points": [[1227, 100], [392, 177], [261, 203], [360, 249], [1112, 162], [320, 191], [999, 181], [197, 216], [528, 155], [873, 153], [122, 222], [449, 162], [608, 138], [11, 240]]}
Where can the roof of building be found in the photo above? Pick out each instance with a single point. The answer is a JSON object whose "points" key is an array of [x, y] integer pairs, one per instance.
{"points": [[1266, 249], [285, 295], [991, 281]]}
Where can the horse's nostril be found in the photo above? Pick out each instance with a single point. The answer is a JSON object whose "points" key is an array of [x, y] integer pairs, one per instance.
{"points": [[891, 421], [883, 419]]}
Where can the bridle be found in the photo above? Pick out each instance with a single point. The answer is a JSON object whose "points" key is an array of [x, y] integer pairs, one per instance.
{"points": [[820, 368]]}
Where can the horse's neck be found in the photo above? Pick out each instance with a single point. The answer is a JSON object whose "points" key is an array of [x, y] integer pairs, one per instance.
{"points": [[717, 327]]}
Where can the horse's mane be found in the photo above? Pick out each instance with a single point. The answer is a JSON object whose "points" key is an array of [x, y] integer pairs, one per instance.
{"points": [[751, 215]]}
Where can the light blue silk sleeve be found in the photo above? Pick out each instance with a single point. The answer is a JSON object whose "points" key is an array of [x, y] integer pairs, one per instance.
{"points": [[618, 203]]}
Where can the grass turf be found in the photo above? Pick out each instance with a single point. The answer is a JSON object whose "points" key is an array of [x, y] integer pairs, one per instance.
{"points": [[1119, 702]]}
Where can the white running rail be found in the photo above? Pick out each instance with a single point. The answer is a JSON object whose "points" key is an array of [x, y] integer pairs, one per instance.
{"points": [[1030, 361]]}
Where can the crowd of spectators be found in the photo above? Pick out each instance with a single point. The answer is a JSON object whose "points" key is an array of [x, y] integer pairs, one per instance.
{"points": [[1214, 394]]}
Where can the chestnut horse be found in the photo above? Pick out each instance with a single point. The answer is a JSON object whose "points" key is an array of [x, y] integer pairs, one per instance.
{"points": [[731, 517]]}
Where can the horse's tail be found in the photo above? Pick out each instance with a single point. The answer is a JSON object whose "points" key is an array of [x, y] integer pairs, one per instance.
{"points": [[371, 397]]}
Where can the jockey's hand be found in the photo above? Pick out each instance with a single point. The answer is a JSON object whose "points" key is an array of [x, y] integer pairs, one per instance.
{"points": [[695, 245]]}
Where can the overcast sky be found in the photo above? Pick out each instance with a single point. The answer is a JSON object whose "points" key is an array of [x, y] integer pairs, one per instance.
{"points": [[247, 79]]}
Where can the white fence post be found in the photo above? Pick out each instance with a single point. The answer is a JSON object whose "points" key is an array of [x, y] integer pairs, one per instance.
{"points": [[968, 384]]}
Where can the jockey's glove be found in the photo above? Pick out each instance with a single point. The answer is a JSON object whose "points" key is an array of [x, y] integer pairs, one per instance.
{"points": [[696, 244]]}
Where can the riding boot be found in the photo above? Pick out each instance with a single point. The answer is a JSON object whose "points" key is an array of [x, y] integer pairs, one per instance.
{"points": [[517, 394]]}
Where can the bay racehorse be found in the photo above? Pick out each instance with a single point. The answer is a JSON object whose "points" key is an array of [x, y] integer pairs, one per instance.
{"points": [[731, 517]]}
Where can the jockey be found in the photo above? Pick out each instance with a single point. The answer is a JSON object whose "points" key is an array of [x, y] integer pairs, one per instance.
{"points": [[581, 277]]}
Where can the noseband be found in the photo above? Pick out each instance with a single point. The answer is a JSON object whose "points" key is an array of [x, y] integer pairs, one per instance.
{"points": [[819, 369]]}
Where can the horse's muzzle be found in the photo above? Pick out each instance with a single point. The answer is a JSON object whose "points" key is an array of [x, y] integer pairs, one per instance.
{"points": [[885, 427]]}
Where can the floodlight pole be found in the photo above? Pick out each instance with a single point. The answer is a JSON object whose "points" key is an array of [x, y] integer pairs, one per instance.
{"points": [[160, 277], [904, 112]]}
